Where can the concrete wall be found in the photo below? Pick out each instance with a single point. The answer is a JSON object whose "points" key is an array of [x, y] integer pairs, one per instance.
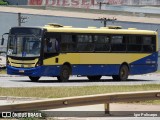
{"points": [[83, 3]]}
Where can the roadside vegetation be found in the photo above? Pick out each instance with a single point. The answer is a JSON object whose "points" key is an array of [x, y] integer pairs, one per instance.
{"points": [[2, 71], [60, 92], [158, 71], [3, 2]]}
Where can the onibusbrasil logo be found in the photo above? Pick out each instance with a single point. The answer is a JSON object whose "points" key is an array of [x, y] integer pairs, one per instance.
{"points": [[21, 115]]}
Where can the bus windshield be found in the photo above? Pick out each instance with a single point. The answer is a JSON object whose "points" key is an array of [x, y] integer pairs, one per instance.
{"points": [[24, 46]]}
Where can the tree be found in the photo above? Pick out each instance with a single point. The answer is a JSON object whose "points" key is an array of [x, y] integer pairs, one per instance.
{"points": [[2, 2]]}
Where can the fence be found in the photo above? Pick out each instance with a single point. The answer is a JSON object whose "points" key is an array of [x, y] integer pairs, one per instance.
{"points": [[82, 101]]}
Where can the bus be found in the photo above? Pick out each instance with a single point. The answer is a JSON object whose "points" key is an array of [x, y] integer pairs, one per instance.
{"points": [[60, 51], [2, 59]]}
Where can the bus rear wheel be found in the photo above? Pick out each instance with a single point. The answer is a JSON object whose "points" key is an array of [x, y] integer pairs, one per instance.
{"points": [[93, 78], [64, 73], [123, 74], [34, 79]]}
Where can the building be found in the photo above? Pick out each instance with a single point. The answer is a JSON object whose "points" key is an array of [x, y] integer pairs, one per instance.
{"points": [[82, 3]]}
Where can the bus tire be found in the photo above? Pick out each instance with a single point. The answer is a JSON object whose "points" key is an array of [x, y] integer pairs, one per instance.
{"points": [[123, 73], [34, 79], [64, 73], [94, 78]]}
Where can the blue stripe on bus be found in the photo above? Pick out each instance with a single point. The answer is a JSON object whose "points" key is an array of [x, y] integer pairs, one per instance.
{"points": [[138, 67], [81, 70], [145, 65], [37, 71], [142, 69], [55, 70], [95, 69], [152, 57]]}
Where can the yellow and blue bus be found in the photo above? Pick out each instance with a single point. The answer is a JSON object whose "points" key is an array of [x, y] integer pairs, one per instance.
{"points": [[60, 51]]}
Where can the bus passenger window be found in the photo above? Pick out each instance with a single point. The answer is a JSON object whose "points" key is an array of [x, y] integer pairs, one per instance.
{"points": [[116, 39], [85, 43], [118, 44], [134, 44], [148, 44], [101, 43], [68, 43], [50, 45]]}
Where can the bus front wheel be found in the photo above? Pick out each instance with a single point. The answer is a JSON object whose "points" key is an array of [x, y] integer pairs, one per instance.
{"points": [[93, 78], [34, 79], [64, 73], [123, 73]]}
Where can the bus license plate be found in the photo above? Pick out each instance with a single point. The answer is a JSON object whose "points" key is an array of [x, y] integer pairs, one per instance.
{"points": [[21, 71]]}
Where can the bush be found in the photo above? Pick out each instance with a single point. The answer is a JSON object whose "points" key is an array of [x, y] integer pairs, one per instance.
{"points": [[3, 2]]}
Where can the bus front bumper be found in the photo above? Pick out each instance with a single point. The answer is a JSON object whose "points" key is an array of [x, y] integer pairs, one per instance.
{"points": [[35, 72]]}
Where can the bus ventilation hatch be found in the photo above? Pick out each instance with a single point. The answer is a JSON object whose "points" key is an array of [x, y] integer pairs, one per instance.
{"points": [[54, 25]]}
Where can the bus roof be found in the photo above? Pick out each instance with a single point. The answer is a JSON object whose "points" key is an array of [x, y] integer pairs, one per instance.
{"points": [[91, 29], [108, 30]]}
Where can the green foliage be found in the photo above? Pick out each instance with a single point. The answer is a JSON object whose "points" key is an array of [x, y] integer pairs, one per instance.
{"points": [[2, 2]]}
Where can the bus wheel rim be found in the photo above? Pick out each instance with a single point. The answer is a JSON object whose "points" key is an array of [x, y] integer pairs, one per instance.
{"points": [[123, 73]]}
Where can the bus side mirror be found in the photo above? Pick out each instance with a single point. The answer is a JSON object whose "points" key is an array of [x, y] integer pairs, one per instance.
{"points": [[2, 41]]}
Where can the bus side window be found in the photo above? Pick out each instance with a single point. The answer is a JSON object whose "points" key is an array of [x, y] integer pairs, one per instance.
{"points": [[101, 43], [118, 43], [85, 43], [148, 44], [134, 44], [51, 45], [68, 43]]}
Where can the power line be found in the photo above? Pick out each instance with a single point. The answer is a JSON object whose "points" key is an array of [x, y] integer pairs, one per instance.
{"points": [[105, 20]]}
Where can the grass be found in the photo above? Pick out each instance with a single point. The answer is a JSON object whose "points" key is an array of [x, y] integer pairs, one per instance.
{"points": [[158, 71], [59, 92], [2, 71]]}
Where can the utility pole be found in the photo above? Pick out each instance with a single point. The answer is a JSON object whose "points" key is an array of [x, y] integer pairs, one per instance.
{"points": [[101, 3], [21, 19], [105, 20]]}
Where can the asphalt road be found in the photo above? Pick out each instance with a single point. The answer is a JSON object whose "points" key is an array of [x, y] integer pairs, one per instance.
{"points": [[19, 81]]}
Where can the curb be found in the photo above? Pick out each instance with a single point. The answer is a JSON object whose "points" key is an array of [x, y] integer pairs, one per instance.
{"points": [[5, 75], [21, 98]]}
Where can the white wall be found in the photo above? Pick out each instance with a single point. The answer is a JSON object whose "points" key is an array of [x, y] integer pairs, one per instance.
{"points": [[82, 3]]}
